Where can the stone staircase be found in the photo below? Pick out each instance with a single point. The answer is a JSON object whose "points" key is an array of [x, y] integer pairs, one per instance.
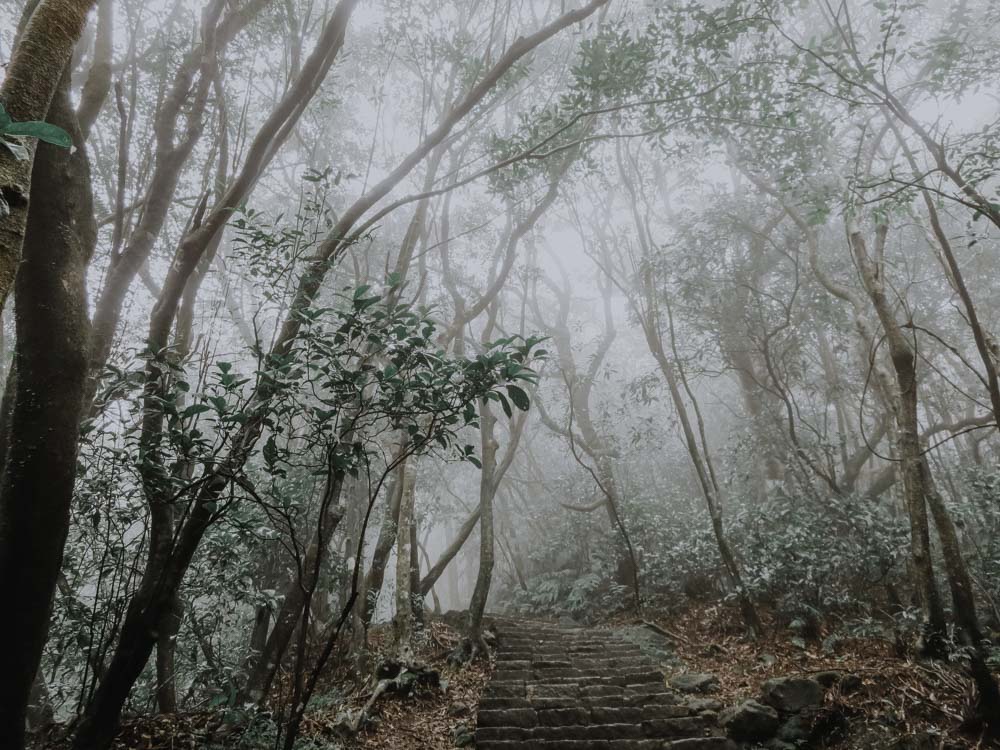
{"points": [[569, 688]]}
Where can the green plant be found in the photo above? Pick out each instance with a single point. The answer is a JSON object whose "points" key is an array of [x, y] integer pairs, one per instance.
{"points": [[43, 131]]}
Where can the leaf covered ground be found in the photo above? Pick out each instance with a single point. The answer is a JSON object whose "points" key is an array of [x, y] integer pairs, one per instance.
{"points": [[901, 703]]}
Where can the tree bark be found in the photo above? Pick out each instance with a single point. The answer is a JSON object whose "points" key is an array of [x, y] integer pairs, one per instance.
{"points": [[40, 57], [487, 491], [46, 407], [915, 489], [384, 544], [403, 624], [297, 593]]}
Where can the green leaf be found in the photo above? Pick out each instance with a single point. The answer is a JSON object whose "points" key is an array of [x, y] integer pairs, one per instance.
{"points": [[519, 397], [506, 405], [4, 118], [195, 409], [43, 131], [270, 451]]}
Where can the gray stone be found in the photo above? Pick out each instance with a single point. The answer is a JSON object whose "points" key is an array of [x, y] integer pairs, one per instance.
{"points": [[768, 660], [832, 644], [462, 735], [701, 743], [699, 705], [750, 721], [695, 682], [791, 694], [797, 728]]}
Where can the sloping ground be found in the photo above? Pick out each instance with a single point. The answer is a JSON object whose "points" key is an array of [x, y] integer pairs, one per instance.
{"points": [[558, 688], [895, 702]]}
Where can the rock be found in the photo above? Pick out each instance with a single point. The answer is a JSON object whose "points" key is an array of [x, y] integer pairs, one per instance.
{"points": [[695, 682], [701, 743], [459, 709], [700, 705], [797, 728], [832, 644], [791, 694], [768, 660], [750, 721], [799, 627], [462, 735]]}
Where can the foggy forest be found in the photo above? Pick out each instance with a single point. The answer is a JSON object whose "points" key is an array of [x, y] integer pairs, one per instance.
{"points": [[498, 374]]}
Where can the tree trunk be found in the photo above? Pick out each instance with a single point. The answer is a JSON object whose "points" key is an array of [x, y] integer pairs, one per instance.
{"points": [[487, 490], [40, 57], [384, 544], [403, 624], [449, 554], [708, 486], [166, 650], [964, 605], [52, 332], [297, 594], [915, 490]]}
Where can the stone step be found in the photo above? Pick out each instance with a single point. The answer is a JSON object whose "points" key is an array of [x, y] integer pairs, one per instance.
{"points": [[505, 662], [581, 689], [690, 743]]}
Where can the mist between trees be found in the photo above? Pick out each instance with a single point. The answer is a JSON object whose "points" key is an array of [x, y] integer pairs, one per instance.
{"points": [[320, 316]]}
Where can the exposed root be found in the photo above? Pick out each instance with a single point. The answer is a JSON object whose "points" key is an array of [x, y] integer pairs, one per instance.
{"points": [[393, 677]]}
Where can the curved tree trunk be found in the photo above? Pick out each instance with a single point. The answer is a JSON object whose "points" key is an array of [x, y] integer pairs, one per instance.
{"points": [[915, 489]]}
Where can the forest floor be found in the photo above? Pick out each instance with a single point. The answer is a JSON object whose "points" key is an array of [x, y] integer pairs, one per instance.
{"points": [[900, 704]]}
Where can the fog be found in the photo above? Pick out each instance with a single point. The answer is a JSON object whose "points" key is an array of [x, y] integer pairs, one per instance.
{"points": [[328, 325]]}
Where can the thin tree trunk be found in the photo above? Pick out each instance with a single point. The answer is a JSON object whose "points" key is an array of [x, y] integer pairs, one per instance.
{"points": [[449, 554], [964, 605], [915, 488], [487, 491], [297, 593], [403, 624], [384, 544]]}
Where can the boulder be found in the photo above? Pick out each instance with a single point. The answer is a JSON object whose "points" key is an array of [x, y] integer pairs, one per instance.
{"points": [[750, 721], [798, 728], [695, 682], [791, 694]]}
